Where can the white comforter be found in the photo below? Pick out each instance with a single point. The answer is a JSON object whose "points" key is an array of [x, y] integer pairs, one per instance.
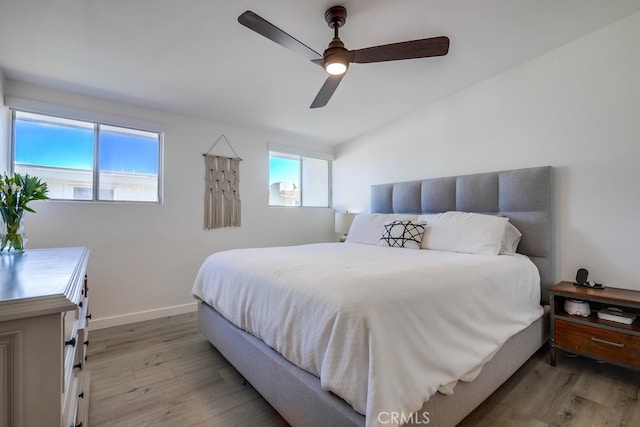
{"points": [[382, 327]]}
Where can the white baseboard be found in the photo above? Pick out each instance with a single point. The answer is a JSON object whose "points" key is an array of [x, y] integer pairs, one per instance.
{"points": [[140, 316]]}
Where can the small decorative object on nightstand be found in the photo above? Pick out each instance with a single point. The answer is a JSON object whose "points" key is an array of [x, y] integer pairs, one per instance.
{"points": [[343, 223], [595, 336]]}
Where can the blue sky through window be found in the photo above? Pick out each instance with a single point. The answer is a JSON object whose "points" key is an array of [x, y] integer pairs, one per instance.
{"points": [[285, 170], [67, 146], [46, 144], [120, 152]]}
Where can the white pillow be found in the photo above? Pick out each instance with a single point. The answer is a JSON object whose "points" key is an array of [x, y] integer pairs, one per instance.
{"points": [[510, 240], [367, 228], [402, 234], [464, 232]]}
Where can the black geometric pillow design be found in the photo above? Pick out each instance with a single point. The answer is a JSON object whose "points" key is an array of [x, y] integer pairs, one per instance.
{"points": [[402, 234]]}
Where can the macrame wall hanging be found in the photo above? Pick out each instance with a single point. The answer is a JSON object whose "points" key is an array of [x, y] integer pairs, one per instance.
{"points": [[222, 189]]}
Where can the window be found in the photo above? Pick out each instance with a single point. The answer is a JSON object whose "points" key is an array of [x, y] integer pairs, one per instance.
{"points": [[82, 160], [298, 180]]}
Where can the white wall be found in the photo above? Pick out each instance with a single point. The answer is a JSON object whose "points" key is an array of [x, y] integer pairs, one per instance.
{"points": [[144, 258], [576, 108]]}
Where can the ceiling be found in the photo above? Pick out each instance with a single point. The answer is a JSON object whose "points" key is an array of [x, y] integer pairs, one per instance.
{"points": [[191, 57]]}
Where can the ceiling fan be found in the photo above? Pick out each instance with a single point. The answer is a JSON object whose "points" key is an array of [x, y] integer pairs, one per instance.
{"points": [[336, 58]]}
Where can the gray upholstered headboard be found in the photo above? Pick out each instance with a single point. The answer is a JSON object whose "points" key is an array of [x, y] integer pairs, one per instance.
{"points": [[525, 196]]}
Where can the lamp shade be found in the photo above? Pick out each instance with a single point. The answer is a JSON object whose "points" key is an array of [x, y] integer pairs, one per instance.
{"points": [[343, 222]]}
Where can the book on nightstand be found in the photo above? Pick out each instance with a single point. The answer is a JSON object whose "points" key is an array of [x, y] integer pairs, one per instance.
{"points": [[616, 315]]}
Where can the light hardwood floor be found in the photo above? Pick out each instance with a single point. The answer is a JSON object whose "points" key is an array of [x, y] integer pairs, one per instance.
{"points": [[165, 373]]}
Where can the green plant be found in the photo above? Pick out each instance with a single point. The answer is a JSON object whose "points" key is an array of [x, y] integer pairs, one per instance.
{"points": [[15, 194]]}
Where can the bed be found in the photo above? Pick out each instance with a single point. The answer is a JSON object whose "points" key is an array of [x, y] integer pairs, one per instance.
{"points": [[523, 196]]}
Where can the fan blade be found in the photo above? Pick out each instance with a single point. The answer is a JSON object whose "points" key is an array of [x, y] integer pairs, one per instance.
{"points": [[423, 48], [273, 33], [326, 91]]}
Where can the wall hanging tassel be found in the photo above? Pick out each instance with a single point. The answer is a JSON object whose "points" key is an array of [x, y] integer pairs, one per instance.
{"points": [[235, 169], [222, 189]]}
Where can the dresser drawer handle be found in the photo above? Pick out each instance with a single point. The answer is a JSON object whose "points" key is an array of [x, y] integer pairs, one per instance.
{"points": [[615, 344], [71, 342]]}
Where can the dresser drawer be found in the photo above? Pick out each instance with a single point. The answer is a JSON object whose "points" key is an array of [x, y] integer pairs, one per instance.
{"points": [[71, 344], [82, 415], [70, 320], [70, 402], [599, 343], [83, 330]]}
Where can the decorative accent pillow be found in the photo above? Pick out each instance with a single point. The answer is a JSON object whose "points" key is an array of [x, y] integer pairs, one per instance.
{"points": [[510, 240], [367, 228], [402, 234], [464, 232]]}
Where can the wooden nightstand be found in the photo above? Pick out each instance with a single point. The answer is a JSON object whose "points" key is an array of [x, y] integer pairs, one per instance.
{"points": [[591, 336]]}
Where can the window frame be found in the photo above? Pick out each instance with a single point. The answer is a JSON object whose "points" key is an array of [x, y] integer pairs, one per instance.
{"points": [[97, 122], [299, 154]]}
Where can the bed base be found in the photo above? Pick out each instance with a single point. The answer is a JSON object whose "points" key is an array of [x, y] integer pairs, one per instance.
{"points": [[297, 396]]}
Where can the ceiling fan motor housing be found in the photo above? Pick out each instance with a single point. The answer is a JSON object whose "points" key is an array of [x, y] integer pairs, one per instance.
{"points": [[336, 16], [336, 52]]}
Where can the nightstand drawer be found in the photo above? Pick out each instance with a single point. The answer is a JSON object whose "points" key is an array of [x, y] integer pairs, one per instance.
{"points": [[599, 343]]}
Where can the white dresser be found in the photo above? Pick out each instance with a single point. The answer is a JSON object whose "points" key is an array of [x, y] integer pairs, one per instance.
{"points": [[43, 338]]}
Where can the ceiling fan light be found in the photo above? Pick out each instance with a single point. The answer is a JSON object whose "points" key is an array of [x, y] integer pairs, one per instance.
{"points": [[335, 68]]}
